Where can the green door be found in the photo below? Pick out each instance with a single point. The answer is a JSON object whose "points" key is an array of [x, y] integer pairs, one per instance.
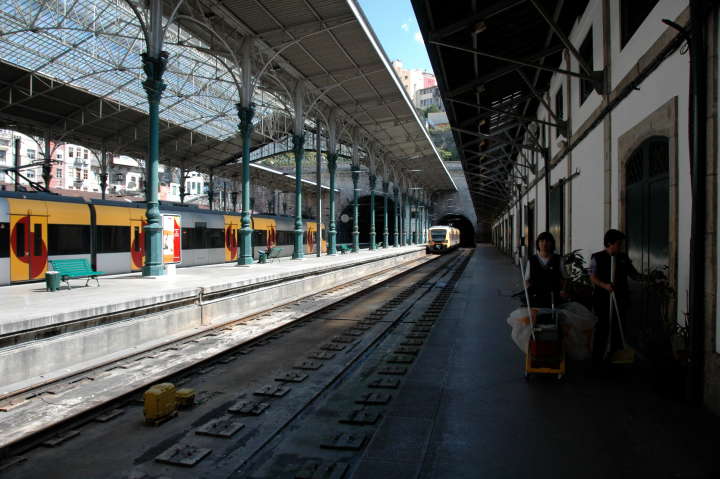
{"points": [[647, 225]]}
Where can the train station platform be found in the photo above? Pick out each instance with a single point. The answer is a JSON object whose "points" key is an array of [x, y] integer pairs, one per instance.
{"points": [[45, 335], [466, 411]]}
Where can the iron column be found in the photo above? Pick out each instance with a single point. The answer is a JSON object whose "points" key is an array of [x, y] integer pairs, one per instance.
{"points": [[373, 243], [386, 231], [245, 255], [299, 151], [154, 67], [396, 207], [332, 234], [355, 231]]}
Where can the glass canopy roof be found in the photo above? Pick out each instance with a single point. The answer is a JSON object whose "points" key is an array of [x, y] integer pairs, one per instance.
{"points": [[96, 45]]}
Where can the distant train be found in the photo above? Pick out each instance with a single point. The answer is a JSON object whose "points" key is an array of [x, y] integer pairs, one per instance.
{"points": [[37, 227], [442, 239]]}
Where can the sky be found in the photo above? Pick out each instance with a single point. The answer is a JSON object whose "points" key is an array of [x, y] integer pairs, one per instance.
{"points": [[395, 25]]}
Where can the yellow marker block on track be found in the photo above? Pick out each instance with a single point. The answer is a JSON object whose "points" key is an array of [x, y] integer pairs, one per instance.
{"points": [[185, 397], [159, 402]]}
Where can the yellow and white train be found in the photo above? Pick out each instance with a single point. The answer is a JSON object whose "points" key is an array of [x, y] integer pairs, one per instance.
{"points": [[37, 227], [442, 239]]}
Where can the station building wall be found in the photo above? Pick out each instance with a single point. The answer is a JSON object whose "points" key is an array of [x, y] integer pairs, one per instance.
{"points": [[591, 163]]}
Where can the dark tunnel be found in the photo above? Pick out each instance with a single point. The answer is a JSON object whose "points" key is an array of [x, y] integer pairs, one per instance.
{"points": [[467, 232]]}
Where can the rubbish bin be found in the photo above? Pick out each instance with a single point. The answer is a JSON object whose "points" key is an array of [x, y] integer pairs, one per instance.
{"points": [[52, 280], [262, 257]]}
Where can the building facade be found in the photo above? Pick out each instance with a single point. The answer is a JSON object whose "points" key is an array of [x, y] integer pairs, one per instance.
{"points": [[625, 163]]}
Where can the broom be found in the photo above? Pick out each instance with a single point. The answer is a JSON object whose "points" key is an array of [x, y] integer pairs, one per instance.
{"points": [[626, 355]]}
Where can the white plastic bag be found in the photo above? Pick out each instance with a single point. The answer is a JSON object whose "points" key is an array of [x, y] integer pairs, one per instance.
{"points": [[578, 323], [520, 324]]}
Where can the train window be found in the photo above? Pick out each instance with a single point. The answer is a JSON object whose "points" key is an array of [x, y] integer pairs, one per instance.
{"points": [[37, 240], [20, 239], [4, 240], [215, 237], [112, 239], [136, 243], [259, 238], [68, 239], [285, 238]]}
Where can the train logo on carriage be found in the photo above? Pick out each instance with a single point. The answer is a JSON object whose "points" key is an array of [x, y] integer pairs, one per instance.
{"points": [[231, 242], [28, 246]]}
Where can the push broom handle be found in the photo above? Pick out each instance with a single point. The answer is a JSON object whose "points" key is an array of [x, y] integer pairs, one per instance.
{"points": [[527, 300], [610, 308], [619, 319]]}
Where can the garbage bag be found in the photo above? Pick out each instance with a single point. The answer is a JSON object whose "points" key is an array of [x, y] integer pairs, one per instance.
{"points": [[578, 324], [519, 321]]}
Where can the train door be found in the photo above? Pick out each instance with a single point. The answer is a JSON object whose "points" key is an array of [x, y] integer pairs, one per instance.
{"points": [[137, 244], [232, 231], [28, 247]]}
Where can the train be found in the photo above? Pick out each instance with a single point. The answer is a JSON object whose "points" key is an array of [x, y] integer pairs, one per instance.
{"points": [[442, 239], [36, 227]]}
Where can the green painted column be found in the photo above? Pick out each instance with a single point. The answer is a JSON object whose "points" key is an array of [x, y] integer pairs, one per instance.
{"points": [[154, 87], [299, 151], [332, 233], [245, 255], [416, 236], [356, 211], [373, 241], [411, 220], [403, 225], [386, 230], [396, 234]]}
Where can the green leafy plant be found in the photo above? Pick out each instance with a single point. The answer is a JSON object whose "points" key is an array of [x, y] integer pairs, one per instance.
{"points": [[579, 286]]}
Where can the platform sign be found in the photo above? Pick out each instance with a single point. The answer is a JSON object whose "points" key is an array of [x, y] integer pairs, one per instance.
{"points": [[172, 252]]}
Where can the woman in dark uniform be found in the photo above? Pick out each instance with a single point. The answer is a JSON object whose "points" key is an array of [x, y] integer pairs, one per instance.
{"points": [[544, 275], [600, 276]]}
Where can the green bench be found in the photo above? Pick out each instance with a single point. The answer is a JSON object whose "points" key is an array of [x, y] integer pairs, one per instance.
{"points": [[75, 268], [344, 248]]}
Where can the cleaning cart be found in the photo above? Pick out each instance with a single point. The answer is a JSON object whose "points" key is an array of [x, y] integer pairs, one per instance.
{"points": [[545, 353]]}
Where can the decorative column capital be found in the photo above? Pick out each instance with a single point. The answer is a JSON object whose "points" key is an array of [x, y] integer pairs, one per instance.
{"points": [[154, 69], [298, 144], [332, 162], [246, 115]]}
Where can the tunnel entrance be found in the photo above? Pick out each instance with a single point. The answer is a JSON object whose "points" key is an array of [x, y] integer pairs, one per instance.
{"points": [[467, 231], [345, 223]]}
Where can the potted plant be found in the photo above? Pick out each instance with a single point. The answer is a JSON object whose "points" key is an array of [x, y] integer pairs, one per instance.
{"points": [[579, 287]]}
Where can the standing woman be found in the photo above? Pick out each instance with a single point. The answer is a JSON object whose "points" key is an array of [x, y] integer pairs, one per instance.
{"points": [[544, 275]]}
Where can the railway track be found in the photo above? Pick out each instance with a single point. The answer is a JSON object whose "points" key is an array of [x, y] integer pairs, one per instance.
{"points": [[252, 393]]}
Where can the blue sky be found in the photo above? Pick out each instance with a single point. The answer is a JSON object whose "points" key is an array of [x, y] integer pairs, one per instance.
{"points": [[395, 25]]}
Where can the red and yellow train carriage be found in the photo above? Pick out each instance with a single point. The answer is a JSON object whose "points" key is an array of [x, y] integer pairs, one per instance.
{"points": [[37, 227]]}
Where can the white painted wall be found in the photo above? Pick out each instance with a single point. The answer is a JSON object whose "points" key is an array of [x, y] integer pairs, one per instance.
{"points": [[651, 29], [670, 80]]}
